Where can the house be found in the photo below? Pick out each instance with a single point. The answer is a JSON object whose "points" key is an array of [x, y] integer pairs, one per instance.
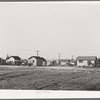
{"points": [[51, 62], [98, 62], [13, 60], [36, 61], [64, 62], [86, 61]]}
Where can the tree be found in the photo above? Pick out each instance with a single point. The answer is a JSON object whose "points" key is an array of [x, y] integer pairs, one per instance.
{"points": [[7, 56]]}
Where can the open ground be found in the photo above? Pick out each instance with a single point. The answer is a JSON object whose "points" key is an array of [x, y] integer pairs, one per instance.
{"points": [[49, 78]]}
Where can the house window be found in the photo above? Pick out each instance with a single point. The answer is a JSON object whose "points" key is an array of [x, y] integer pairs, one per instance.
{"points": [[80, 61]]}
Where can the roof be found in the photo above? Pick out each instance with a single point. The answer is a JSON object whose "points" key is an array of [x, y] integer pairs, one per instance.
{"points": [[64, 60], [86, 58], [37, 57], [15, 57], [50, 60]]}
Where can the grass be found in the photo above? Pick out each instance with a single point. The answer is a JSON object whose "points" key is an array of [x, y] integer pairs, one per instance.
{"points": [[49, 78]]}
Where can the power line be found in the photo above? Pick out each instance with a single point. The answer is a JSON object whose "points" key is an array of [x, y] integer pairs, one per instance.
{"points": [[15, 49], [59, 57]]}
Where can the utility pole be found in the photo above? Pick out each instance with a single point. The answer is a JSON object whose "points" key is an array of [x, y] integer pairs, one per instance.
{"points": [[37, 52], [59, 57]]}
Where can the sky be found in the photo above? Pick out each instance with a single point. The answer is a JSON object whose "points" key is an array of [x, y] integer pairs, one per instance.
{"points": [[69, 28]]}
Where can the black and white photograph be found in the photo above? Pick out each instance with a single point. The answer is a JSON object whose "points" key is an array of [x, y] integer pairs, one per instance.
{"points": [[50, 46]]}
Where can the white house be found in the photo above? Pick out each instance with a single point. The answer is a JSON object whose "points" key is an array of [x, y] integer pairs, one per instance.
{"points": [[36, 61], [86, 61], [15, 60]]}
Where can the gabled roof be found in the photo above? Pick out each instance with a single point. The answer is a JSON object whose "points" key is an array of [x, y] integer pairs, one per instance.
{"points": [[37, 57], [15, 57], [86, 58], [64, 60]]}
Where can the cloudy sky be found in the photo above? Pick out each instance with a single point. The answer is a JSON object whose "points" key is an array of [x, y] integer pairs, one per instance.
{"points": [[69, 28]]}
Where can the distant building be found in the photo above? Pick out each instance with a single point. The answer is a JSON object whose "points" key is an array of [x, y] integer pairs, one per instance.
{"points": [[13, 60], [63, 62], [73, 62], [2, 61], [24, 62], [98, 62], [51, 62], [37, 61], [86, 61]]}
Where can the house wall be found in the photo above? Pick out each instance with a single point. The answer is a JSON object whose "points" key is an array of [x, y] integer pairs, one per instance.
{"points": [[18, 62], [62, 63], [10, 60], [33, 61], [39, 62], [85, 63], [98, 62], [44, 63]]}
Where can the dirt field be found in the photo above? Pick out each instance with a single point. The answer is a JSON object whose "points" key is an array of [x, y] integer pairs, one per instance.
{"points": [[49, 78]]}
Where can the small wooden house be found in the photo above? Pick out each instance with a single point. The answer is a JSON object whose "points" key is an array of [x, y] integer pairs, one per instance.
{"points": [[86, 61], [36, 61], [13, 60]]}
